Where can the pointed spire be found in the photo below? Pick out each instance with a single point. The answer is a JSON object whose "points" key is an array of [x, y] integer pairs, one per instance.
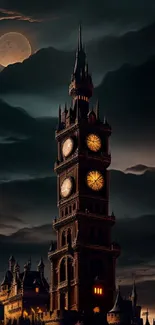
{"points": [[80, 39], [134, 294]]}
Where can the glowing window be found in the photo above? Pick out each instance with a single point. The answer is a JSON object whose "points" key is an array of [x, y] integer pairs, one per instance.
{"points": [[98, 291], [37, 289], [96, 310]]}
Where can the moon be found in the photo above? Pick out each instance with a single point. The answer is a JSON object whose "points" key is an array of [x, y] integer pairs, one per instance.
{"points": [[14, 47]]}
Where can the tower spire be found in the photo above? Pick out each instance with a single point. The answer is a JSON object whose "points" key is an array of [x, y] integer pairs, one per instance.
{"points": [[80, 39], [81, 86]]}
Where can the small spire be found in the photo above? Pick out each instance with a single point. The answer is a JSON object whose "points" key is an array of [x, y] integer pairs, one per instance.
{"points": [[134, 294], [41, 263], [11, 259]]}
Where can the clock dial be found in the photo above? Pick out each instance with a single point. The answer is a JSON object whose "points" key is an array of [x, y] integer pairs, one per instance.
{"points": [[66, 187], [95, 180], [93, 142], [67, 147]]}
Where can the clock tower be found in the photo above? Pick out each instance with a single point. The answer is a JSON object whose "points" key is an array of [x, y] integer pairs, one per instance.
{"points": [[83, 261]]}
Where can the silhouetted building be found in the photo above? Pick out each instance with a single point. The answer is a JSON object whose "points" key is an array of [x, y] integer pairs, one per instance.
{"points": [[125, 311], [23, 293]]}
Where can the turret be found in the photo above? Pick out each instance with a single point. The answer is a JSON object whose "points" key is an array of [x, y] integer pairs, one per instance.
{"points": [[116, 314]]}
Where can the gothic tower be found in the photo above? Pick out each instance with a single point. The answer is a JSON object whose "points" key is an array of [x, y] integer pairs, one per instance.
{"points": [[83, 262]]}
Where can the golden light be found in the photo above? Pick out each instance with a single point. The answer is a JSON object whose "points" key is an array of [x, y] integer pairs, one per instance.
{"points": [[96, 310], [36, 289], [14, 47], [25, 313], [98, 291]]}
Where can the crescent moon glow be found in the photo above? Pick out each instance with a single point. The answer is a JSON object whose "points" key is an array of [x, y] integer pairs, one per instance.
{"points": [[14, 47]]}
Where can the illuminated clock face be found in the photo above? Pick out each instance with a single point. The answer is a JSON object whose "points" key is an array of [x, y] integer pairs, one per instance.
{"points": [[95, 180], [93, 142], [67, 147], [66, 187]]}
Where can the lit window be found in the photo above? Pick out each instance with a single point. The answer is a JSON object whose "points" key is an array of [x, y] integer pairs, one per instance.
{"points": [[37, 289], [96, 310], [98, 291]]}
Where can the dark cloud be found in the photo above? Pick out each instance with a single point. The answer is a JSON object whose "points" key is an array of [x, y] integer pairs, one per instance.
{"points": [[48, 71], [33, 200], [14, 15], [45, 72], [127, 96], [129, 195], [122, 14], [27, 144], [14, 121], [139, 169]]}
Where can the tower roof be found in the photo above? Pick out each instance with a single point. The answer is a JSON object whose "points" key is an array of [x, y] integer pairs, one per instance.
{"points": [[118, 305], [41, 263]]}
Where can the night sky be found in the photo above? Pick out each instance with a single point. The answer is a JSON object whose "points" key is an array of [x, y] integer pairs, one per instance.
{"points": [[119, 38]]}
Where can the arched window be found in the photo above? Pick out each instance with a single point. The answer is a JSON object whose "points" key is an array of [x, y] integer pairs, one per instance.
{"points": [[63, 270], [69, 237], [66, 211], [74, 206], [70, 209], [63, 238]]}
